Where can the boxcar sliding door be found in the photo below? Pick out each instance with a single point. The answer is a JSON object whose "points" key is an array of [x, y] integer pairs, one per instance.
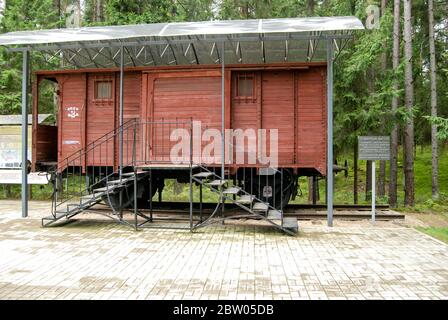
{"points": [[176, 98]]}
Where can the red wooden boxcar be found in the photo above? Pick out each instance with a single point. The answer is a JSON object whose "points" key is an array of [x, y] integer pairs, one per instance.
{"points": [[288, 97]]}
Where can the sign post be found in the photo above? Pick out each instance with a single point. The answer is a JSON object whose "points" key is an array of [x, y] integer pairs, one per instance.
{"points": [[373, 191], [374, 148]]}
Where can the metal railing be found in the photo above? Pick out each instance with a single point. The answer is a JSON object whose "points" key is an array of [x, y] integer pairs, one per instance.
{"points": [[144, 144], [89, 168], [148, 145]]}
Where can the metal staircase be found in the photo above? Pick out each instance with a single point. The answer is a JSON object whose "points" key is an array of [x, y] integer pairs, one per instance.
{"points": [[74, 194], [88, 177], [254, 207], [101, 194]]}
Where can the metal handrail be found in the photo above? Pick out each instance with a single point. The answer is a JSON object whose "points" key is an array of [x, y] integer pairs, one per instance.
{"points": [[76, 160], [79, 160], [86, 148]]}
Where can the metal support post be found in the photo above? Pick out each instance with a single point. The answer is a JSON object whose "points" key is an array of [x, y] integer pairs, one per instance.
{"points": [[330, 132], [134, 161], [120, 132], [200, 202], [120, 146], [373, 191], [25, 80], [223, 62], [191, 177]]}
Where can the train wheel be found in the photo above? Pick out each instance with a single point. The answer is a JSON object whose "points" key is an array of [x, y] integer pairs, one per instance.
{"points": [[143, 196], [269, 188]]}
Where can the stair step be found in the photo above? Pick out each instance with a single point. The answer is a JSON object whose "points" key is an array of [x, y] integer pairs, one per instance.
{"points": [[232, 190], [203, 175], [71, 205], [91, 197], [131, 174], [118, 181], [291, 224], [105, 189], [260, 206], [274, 215], [217, 183], [59, 215], [245, 199]]}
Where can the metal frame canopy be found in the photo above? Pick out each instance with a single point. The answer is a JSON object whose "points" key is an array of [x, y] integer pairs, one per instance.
{"points": [[188, 43], [250, 41]]}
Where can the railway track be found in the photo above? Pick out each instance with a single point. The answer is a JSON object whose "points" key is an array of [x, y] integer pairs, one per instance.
{"points": [[179, 211]]}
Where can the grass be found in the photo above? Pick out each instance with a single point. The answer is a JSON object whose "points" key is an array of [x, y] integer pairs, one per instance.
{"points": [[343, 186], [440, 233], [422, 170]]}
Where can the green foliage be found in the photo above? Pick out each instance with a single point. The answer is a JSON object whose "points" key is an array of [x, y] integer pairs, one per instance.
{"points": [[362, 89], [21, 15], [442, 126], [120, 12], [259, 9]]}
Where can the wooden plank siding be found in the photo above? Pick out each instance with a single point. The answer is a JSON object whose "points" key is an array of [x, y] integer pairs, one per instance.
{"points": [[70, 114], [311, 122], [132, 92], [278, 111], [101, 115], [195, 96], [292, 100]]}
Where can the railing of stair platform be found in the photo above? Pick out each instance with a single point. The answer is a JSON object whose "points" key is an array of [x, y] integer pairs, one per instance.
{"points": [[90, 168], [145, 145], [156, 149], [257, 204], [273, 212], [148, 146]]}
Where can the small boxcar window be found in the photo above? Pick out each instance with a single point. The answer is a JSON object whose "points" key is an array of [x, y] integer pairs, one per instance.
{"points": [[103, 90], [245, 85]]}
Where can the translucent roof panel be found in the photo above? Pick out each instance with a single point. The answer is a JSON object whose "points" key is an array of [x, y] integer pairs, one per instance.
{"points": [[188, 43], [183, 29]]}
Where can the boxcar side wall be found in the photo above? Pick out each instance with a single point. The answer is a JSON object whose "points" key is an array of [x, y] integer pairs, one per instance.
{"points": [[291, 100]]}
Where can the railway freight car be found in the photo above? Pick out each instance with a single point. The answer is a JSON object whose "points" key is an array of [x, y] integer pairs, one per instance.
{"points": [[291, 99]]}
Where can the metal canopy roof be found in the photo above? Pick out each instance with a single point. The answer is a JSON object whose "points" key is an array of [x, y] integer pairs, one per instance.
{"points": [[247, 41]]}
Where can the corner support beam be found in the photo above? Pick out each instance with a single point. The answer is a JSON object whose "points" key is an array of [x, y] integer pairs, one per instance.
{"points": [[25, 80], [120, 136], [330, 132]]}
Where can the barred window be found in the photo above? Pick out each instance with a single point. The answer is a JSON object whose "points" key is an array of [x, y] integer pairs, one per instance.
{"points": [[103, 90], [245, 85]]}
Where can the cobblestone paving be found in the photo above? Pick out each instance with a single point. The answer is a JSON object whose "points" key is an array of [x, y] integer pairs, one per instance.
{"points": [[94, 259]]}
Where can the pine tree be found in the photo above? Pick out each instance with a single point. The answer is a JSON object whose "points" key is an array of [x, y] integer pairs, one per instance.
{"points": [[434, 142], [409, 102], [21, 15], [394, 134]]}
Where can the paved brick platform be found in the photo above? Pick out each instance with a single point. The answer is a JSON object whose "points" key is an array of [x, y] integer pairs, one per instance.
{"points": [[93, 259]]}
